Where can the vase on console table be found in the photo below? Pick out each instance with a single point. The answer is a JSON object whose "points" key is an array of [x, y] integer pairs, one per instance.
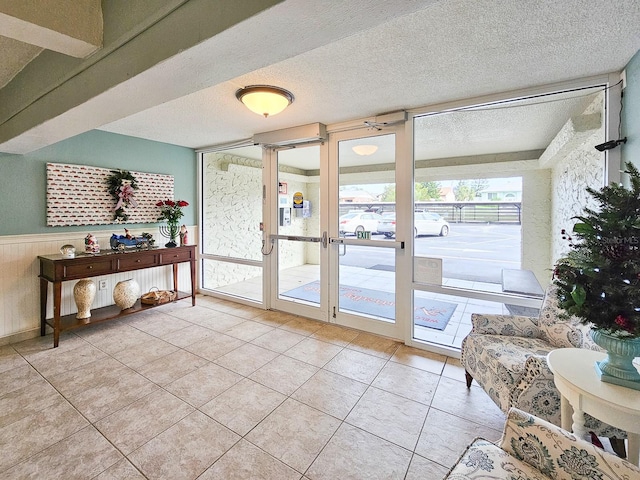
{"points": [[126, 293], [84, 292]]}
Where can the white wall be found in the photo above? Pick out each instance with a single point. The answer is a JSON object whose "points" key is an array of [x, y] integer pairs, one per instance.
{"points": [[536, 220], [574, 169]]}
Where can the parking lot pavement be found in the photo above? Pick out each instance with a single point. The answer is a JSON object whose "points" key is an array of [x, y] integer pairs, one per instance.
{"points": [[471, 251]]}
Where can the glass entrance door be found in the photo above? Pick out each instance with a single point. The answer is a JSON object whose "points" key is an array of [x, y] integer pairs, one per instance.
{"points": [[330, 257], [297, 242], [364, 247], [231, 259]]}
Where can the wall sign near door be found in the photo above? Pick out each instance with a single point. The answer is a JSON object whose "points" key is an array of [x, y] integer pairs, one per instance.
{"points": [[297, 200], [363, 235]]}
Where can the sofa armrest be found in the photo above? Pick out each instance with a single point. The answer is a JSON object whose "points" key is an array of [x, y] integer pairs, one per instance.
{"points": [[483, 460], [558, 453], [511, 325], [535, 391]]}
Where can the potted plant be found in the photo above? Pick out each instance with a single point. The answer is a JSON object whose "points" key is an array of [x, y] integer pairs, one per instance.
{"points": [[599, 279]]}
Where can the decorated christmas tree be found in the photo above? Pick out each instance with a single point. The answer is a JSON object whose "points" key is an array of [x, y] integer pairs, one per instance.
{"points": [[599, 279]]}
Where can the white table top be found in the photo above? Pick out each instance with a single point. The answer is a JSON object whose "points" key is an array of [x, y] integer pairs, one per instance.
{"points": [[576, 366]]}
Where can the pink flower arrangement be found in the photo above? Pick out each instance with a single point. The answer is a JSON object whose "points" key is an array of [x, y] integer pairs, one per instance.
{"points": [[171, 210]]}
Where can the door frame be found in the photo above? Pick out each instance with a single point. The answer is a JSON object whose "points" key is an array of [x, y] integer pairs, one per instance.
{"points": [[270, 214], [404, 197]]}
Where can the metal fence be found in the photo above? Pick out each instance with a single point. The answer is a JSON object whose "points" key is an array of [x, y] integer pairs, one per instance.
{"points": [[453, 212]]}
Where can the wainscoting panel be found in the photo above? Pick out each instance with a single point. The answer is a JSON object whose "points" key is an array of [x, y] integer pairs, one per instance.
{"points": [[20, 285]]}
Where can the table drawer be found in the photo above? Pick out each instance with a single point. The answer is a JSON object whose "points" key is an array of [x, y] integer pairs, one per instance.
{"points": [[175, 256], [133, 263], [82, 270]]}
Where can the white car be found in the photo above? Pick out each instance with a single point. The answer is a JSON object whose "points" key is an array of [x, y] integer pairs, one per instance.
{"points": [[359, 222], [425, 223]]}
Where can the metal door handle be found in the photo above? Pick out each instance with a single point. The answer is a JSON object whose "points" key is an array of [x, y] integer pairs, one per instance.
{"points": [[295, 238]]}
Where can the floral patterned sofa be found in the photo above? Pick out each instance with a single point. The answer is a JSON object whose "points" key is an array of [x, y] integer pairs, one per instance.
{"points": [[532, 448], [507, 356]]}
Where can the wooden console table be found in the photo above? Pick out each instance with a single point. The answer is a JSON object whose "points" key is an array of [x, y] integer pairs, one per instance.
{"points": [[57, 269]]}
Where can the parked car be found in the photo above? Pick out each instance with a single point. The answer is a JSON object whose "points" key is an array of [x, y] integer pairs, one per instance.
{"points": [[359, 222], [425, 223]]}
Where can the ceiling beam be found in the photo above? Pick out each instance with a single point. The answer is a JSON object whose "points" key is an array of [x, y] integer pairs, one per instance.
{"points": [[71, 27], [575, 132], [87, 99], [14, 55]]}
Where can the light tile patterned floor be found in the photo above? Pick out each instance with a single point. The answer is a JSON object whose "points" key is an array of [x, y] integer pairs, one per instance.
{"points": [[224, 391], [457, 328]]}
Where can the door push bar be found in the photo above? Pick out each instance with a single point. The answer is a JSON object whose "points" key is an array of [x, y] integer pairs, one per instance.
{"points": [[294, 238], [368, 243]]}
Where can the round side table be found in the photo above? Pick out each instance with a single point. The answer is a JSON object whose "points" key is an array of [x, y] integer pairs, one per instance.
{"points": [[580, 387]]}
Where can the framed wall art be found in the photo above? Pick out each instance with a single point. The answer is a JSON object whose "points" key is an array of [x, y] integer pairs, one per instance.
{"points": [[84, 195]]}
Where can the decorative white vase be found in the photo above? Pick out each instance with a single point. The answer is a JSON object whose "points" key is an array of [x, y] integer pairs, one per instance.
{"points": [[84, 291], [126, 293]]}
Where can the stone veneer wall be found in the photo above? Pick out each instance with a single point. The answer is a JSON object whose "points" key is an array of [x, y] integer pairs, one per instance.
{"points": [[232, 206], [582, 167]]}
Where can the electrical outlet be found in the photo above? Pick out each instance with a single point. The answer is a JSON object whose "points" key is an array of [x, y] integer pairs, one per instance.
{"points": [[102, 285]]}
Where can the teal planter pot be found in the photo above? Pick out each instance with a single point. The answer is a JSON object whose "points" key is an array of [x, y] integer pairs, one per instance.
{"points": [[618, 366]]}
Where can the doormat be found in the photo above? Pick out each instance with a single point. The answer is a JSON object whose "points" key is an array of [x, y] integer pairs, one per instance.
{"points": [[426, 313], [384, 268]]}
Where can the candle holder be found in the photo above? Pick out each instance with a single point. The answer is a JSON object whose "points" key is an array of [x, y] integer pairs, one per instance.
{"points": [[170, 231]]}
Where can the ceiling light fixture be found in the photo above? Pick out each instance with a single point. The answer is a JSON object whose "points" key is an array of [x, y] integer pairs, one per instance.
{"points": [[264, 99], [365, 149]]}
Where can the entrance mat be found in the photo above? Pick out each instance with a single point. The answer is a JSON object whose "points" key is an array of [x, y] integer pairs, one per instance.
{"points": [[384, 268], [427, 313]]}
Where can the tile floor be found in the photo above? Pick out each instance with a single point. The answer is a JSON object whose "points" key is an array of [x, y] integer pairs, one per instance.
{"points": [[457, 328], [225, 391]]}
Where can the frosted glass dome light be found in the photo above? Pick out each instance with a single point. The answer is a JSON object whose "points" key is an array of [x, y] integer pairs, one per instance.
{"points": [[264, 99], [365, 149]]}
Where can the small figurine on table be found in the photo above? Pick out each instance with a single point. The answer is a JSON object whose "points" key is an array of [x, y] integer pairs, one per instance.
{"points": [[148, 238], [91, 244], [184, 236]]}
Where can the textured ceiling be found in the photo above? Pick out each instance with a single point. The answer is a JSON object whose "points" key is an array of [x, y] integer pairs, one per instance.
{"points": [[510, 127], [516, 126], [426, 53], [445, 51]]}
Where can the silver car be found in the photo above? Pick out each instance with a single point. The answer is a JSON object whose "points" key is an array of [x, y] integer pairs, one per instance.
{"points": [[425, 223], [359, 222]]}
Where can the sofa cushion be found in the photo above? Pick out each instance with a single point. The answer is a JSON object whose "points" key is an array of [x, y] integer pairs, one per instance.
{"points": [[558, 453], [560, 330], [483, 460]]}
